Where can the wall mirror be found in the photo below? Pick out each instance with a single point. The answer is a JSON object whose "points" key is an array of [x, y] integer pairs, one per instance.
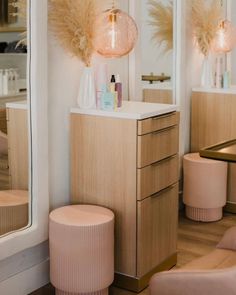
{"points": [[14, 126], [154, 58], [232, 60], [23, 126]]}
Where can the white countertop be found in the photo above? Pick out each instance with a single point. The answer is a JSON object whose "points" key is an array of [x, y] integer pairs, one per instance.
{"points": [[131, 110], [22, 105], [231, 90]]}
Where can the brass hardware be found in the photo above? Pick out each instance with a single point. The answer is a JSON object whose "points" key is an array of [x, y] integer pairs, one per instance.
{"points": [[163, 130], [155, 78], [165, 190], [164, 160], [138, 284], [163, 116]]}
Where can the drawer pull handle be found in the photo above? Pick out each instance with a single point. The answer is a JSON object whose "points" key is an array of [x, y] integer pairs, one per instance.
{"points": [[163, 130], [163, 161], [163, 116], [165, 190]]}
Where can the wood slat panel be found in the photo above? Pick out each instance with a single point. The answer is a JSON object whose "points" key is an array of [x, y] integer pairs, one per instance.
{"points": [[157, 229], [103, 172], [158, 176], [157, 123], [156, 146], [17, 126], [158, 95]]}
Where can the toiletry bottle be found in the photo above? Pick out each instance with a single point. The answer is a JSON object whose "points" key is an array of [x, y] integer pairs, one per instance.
{"points": [[16, 81], [118, 89], [1, 82], [226, 80], [11, 82], [107, 100], [101, 82], [5, 81], [113, 89]]}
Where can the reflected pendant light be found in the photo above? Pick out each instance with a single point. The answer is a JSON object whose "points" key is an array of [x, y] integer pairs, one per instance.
{"points": [[115, 33], [225, 39]]}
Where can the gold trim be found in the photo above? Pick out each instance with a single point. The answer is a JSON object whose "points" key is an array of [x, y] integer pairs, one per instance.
{"points": [[230, 208], [213, 151], [135, 284], [12, 29]]}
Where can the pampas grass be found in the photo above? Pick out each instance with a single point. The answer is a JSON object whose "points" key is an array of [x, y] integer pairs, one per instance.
{"points": [[73, 24], [162, 23], [205, 23]]}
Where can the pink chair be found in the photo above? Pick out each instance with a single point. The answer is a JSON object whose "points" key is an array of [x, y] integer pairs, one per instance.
{"points": [[214, 273]]}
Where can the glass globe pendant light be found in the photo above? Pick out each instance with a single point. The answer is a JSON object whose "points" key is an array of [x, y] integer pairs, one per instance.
{"points": [[115, 33], [225, 39]]}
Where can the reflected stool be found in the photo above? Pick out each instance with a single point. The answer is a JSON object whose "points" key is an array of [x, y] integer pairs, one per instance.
{"points": [[14, 212], [205, 187], [81, 241]]}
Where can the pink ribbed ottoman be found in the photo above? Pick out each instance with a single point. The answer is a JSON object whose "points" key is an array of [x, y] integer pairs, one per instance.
{"points": [[205, 186], [81, 239]]}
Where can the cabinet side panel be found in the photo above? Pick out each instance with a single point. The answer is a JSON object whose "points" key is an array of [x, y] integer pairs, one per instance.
{"points": [[17, 127], [103, 172]]}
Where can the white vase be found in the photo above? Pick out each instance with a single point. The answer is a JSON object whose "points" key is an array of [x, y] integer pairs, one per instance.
{"points": [[207, 73], [87, 94]]}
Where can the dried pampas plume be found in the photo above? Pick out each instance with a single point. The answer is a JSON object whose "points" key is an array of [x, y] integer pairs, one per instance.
{"points": [[205, 20], [73, 24], [162, 23]]}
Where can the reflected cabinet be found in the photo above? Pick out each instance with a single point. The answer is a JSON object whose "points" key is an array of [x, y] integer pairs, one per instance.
{"points": [[131, 167], [213, 120]]}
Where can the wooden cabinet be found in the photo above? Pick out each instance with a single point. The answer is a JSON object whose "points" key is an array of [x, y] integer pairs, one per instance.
{"points": [[114, 165], [158, 95], [17, 129], [213, 119]]}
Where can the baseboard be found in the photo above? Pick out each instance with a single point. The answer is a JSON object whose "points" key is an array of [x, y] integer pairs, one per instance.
{"points": [[27, 281]]}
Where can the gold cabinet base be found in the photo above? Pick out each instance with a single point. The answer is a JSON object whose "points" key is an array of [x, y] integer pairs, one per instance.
{"points": [[138, 284]]}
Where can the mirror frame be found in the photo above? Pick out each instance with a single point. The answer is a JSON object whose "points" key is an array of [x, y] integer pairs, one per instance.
{"points": [[37, 231], [135, 88]]}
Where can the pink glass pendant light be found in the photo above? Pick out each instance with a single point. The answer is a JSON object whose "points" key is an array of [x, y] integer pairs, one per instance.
{"points": [[115, 33], [225, 39]]}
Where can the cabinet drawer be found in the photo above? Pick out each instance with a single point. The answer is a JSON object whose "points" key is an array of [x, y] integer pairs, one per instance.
{"points": [[157, 145], [157, 176], [157, 229], [158, 123]]}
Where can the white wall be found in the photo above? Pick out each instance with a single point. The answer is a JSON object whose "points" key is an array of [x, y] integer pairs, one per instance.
{"points": [[64, 75], [233, 68]]}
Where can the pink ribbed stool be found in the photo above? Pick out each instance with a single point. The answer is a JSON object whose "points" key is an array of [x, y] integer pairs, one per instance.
{"points": [[205, 187], [81, 240]]}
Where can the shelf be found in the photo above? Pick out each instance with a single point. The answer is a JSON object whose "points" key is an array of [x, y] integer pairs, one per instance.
{"points": [[23, 93], [224, 151], [12, 29], [14, 54]]}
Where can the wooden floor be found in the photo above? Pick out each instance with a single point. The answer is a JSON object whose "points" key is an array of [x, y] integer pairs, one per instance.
{"points": [[195, 239]]}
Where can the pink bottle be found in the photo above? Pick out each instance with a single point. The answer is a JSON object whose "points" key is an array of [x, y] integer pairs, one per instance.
{"points": [[118, 89]]}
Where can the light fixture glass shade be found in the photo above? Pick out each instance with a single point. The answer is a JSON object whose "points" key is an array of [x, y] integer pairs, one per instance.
{"points": [[225, 39], [115, 33]]}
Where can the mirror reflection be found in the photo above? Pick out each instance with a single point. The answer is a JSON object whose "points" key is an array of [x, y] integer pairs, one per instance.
{"points": [[233, 55], [157, 50], [13, 117]]}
